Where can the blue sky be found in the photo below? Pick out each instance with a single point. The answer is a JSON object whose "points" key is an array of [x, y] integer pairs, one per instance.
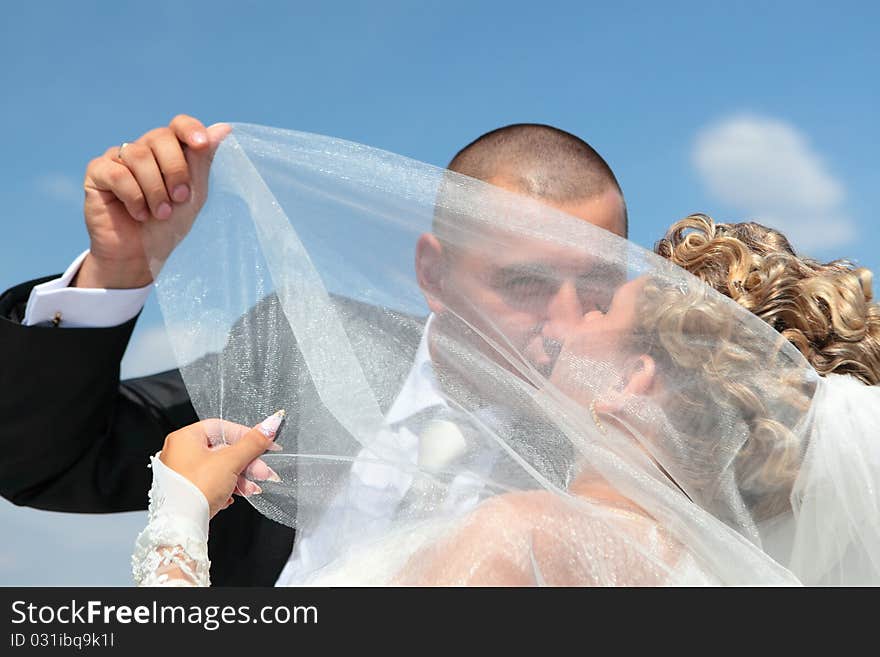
{"points": [[739, 109]]}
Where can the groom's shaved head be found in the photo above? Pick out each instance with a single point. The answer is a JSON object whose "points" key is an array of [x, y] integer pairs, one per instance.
{"points": [[540, 161]]}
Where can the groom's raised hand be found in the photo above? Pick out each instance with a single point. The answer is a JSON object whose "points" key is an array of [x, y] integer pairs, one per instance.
{"points": [[141, 199]]}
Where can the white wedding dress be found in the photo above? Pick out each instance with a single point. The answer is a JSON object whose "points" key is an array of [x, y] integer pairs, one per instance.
{"points": [[831, 536], [526, 539]]}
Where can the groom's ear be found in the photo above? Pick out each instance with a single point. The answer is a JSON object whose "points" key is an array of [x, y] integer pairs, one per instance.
{"points": [[431, 269]]}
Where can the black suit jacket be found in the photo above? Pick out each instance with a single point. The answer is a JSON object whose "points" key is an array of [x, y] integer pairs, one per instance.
{"points": [[75, 438]]}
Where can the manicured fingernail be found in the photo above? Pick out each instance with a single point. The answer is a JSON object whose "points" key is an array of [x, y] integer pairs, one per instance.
{"points": [[199, 138], [250, 488], [270, 425], [143, 215], [180, 193], [163, 211], [275, 447], [273, 476]]}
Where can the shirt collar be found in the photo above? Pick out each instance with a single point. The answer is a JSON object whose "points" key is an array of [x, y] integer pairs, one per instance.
{"points": [[420, 390]]}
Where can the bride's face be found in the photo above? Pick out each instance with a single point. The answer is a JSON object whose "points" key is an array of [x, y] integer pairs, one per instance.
{"points": [[597, 353], [601, 333]]}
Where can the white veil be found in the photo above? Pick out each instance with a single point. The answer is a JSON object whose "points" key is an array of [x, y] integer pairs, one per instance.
{"points": [[677, 439]]}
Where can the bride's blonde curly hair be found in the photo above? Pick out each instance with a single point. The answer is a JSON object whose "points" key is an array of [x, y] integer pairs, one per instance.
{"points": [[825, 310]]}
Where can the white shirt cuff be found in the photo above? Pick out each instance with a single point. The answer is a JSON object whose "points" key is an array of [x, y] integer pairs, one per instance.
{"points": [[181, 499], [77, 307]]}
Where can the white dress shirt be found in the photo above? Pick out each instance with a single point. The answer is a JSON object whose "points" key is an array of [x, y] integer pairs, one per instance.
{"points": [[77, 307], [374, 490]]}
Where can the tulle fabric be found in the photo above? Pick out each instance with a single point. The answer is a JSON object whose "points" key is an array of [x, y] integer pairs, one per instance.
{"points": [[835, 530], [448, 423]]}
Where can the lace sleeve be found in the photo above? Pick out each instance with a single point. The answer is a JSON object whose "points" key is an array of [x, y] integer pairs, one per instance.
{"points": [[172, 550]]}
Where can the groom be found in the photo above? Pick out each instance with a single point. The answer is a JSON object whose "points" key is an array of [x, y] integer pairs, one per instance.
{"points": [[75, 438]]}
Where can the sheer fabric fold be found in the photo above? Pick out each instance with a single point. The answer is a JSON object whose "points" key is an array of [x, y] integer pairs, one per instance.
{"points": [[483, 390]]}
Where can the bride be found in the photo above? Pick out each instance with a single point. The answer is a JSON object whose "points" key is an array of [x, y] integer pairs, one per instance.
{"points": [[709, 423]]}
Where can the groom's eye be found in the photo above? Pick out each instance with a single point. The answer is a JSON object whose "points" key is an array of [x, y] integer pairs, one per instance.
{"points": [[596, 287], [527, 284], [594, 299], [527, 289], [590, 306]]}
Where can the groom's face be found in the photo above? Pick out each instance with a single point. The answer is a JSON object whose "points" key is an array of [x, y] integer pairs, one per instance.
{"points": [[530, 292]]}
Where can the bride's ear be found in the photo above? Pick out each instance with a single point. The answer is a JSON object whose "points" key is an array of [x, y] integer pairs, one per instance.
{"points": [[639, 378], [431, 268]]}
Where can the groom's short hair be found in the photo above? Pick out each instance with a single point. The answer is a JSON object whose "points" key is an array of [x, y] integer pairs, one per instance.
{"points": [[540, 161]]}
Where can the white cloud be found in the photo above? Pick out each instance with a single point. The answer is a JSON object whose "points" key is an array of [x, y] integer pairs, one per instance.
{"points": [[767, 170], [60, 187]]}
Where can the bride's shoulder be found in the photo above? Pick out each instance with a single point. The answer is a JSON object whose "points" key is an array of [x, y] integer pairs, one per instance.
{"points": [[560, 538], [845, 413], [514, 509], [530, 511], [834, 385]]}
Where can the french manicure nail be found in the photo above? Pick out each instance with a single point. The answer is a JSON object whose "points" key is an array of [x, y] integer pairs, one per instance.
{"points": [[275, 447], [270, 425], [180, 193], [163, 211], [273, 476], [252, 489]]}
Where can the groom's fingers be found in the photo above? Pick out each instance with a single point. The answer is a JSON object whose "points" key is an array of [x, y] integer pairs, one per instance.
{"points": [[189, 131], [200, 158], [216, 134], [199, 161]]}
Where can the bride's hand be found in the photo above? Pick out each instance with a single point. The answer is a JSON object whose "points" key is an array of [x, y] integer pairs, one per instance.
{"points": [[214, 454]]}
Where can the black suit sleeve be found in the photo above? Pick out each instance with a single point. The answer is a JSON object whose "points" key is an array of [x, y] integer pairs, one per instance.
{"points": [[75, 438], [72, 436]]}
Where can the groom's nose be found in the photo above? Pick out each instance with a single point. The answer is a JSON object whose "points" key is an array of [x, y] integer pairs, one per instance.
{"points": [[563, 311]]}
